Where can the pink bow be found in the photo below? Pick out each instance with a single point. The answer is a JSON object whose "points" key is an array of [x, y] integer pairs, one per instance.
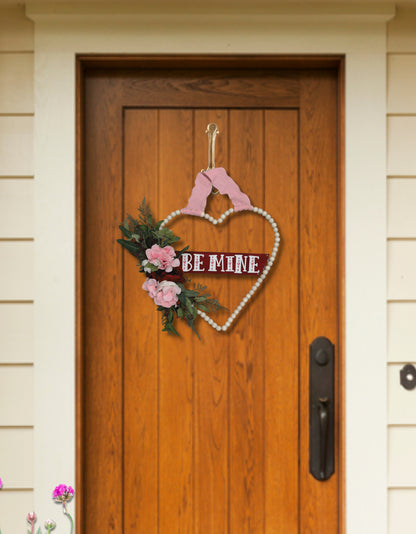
{"points": [[219, 179]]}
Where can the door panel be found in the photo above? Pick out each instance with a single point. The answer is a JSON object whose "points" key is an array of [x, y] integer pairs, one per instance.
{"points": [[211, 436]]}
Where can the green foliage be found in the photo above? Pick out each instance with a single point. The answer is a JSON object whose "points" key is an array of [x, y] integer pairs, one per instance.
{"points": [[141, 234]]}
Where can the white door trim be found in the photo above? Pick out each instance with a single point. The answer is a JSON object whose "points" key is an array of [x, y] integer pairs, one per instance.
{"points": [[360, 34]]}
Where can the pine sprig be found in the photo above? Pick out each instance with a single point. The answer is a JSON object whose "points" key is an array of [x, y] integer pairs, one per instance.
{"points": [[140, 235]]}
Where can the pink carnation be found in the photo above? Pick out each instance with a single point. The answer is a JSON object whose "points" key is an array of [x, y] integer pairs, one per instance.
{"points": [[162, 257], [167, 294], [63, 493], [151, 286]]}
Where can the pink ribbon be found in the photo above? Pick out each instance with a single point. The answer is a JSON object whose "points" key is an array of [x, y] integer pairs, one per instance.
{"points": [[218, 178]]}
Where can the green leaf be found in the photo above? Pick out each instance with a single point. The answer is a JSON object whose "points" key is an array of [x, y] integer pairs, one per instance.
{"points": [[133, 248], [180, 252], [203, 308], [125, 231]]}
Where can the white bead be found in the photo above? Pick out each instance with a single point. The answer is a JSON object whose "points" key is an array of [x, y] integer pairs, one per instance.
{"points": [[245, 299], [267, 268], [255, 209], [218, 328], [214, 221]]}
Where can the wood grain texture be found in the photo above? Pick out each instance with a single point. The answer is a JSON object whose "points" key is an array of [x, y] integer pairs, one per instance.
{"points": [[102, 314], [208, 436], [212, 352], [282, 311], [141, 328], [318, 273], [247, 417], [176, 355]]}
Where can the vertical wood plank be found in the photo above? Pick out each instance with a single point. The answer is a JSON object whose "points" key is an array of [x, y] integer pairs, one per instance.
{"points": [[247, 500], [176, 365], [318, 272], [141, 326], [211, 352], [102, 306], [282, 347]]}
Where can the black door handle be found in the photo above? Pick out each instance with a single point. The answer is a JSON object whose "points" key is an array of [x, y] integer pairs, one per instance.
{"points": [[321, 409], [323, 435]]}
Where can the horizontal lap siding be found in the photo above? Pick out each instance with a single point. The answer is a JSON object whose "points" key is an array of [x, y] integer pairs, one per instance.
{"points": [[16, 268], [401, 250]]}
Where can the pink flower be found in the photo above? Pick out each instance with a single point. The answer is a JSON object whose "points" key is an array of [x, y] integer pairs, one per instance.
{"points": [[167, 294], [31, 518], [1, 483], [151, 286], [162, 257], [63, 493]]}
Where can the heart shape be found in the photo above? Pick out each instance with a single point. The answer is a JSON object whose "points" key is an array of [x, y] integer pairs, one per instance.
{"points": [[259, 280]]}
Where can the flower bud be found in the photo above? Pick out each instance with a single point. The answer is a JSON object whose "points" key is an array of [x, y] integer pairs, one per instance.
{"points": [[50, 524], [31, 517]]}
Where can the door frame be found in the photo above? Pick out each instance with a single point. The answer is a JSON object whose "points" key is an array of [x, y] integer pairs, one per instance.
{"points": [[61, 34], [206, 62]]}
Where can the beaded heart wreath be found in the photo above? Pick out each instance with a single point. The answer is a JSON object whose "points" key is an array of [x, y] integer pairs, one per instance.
{"points": [[151, 243]]}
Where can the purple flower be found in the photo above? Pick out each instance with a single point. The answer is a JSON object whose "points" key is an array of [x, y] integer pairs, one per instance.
{"points": [[63, 493]]}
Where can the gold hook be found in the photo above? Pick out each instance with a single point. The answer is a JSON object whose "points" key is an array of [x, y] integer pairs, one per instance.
{"points": [[212, 131]]}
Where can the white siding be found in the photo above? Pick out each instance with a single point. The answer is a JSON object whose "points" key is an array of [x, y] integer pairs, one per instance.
{"points": [[401, 284], [16, 146], [16, 83], [16, 208], [14, 507], [401, 338], [16, 269], [16, 332]]}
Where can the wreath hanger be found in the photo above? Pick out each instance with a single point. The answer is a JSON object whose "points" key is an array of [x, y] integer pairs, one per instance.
{"points": [[205, 182]]}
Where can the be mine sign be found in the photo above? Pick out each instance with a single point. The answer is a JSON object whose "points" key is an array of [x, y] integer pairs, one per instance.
{"points": [[223, 262]]}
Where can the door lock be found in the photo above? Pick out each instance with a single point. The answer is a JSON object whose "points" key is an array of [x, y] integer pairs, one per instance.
{"points": [[321, 408]]}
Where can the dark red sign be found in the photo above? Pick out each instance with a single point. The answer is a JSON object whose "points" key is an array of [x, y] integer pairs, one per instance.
{"points": [[223, 263]]}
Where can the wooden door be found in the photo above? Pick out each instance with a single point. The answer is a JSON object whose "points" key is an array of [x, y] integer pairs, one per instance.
{"points": [[177, 435]]}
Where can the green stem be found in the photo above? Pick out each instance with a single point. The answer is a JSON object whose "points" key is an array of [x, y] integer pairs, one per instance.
{"points": [[72, 523]]}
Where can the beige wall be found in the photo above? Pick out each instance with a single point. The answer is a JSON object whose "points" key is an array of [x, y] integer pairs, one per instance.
{"points": [[16, 269], [17, 284], [401, 283]]}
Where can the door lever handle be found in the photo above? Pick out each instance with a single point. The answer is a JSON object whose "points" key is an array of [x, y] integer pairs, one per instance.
{"points": [[321, 409], [323, 435]]}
